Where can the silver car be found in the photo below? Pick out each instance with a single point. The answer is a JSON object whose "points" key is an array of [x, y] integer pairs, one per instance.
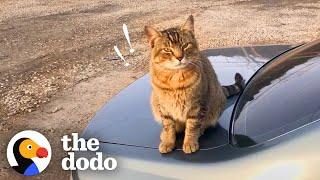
{"points": [[270, 131]]}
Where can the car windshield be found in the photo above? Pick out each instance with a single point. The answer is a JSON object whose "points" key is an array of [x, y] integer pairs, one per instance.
{"points": [[281, 97]]}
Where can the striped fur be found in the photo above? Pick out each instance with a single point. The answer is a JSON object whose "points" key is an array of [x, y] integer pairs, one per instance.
{"points": [[186, 94], [235, 88]]}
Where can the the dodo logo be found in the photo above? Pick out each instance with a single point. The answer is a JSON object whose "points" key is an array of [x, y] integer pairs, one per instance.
{"points": [[29, 152]]}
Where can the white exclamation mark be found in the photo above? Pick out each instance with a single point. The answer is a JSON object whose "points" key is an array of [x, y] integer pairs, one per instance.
{"points": [[120, 55], [126, 34]]}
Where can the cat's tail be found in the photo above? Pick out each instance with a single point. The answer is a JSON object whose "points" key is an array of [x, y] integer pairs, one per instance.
{"points": [[235, 88]]}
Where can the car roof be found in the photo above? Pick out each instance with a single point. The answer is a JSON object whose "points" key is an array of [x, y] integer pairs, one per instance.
{"points": [[127, 119]]}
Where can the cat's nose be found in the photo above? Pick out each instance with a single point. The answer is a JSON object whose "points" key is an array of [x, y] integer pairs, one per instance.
{"points": [[180, 58]]}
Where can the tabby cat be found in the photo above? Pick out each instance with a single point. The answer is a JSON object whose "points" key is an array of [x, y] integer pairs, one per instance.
{"points": [[186, 94]]}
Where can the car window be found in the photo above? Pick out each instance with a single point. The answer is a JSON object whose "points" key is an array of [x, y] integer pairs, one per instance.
{"points": [[281, 97]]}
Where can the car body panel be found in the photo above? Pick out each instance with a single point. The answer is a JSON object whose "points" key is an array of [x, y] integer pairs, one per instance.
{"points": [[281, 158], [127, 119], [127, 132]]}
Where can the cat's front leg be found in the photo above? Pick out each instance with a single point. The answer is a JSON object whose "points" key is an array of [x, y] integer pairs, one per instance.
{"points": [[168, 135], [192, 134]]}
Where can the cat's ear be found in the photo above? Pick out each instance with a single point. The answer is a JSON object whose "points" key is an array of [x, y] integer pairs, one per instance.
{"points": [[151, 34], [189, 24]]}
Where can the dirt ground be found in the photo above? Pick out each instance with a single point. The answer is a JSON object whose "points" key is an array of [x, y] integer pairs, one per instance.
{"points": [[56, 57]]}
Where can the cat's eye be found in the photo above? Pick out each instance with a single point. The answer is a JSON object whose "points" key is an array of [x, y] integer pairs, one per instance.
{"points": [[166, 50], [186, 46]]}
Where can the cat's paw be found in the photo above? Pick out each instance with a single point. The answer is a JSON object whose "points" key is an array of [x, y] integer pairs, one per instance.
{"points": [[165, 147], [190, 147]]}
